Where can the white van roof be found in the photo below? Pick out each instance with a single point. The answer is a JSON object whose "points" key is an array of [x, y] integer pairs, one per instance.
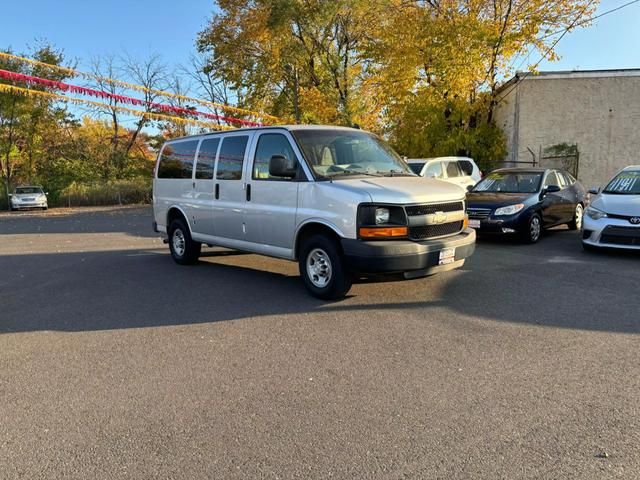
{"points": [[270, 127]]}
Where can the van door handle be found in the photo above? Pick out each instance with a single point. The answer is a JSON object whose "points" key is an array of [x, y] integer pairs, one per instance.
{"points": [[217, 191], [249, 193]]}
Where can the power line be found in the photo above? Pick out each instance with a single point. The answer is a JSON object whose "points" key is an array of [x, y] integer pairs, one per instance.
{"points": [[593, 18], [582, 22]]}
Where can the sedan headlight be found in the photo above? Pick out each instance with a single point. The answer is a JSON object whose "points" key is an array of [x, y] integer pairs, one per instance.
{"points": [[595, 214], [382, 216], [510, 210]]}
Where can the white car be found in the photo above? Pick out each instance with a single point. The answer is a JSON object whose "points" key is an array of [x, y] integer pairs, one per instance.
{"points": [[28, 197], [339, 201], [462, 171], [612, 219]]}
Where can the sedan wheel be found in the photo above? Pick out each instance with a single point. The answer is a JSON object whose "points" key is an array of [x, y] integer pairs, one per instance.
{"points": [[576, 223], [534, 231]]}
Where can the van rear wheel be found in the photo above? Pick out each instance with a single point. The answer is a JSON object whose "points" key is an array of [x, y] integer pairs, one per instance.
{"points": [[323, 269], [183, 249]]}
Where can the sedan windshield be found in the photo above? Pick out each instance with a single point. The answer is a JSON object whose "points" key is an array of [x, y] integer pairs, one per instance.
{"points": [[340, 153], [510, 182], [625, 183], [28, 190]]}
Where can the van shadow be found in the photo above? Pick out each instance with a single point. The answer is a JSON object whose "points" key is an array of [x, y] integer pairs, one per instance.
{"points": [[75, 292]]}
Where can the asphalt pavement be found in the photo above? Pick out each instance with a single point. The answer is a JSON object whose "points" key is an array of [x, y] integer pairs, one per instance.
{"points": [[117, 363]]}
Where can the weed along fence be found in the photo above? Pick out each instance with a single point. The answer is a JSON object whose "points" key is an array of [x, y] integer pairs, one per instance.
{"points": [[120, 192]]}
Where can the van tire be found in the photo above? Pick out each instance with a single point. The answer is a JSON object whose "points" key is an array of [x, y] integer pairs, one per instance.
{"points": [[183, 249], [323, 269]]}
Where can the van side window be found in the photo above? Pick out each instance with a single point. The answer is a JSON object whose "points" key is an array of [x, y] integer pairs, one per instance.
{"points": [[466, 167], [207, 158], [453, 170], [231, 158], [270, 144], [177, 160]]}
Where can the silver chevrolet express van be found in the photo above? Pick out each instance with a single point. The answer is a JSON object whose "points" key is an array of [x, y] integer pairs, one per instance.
{"points": [[339, 201]]}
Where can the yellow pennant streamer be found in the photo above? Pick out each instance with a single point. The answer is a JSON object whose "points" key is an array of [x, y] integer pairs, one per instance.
{"points": [[140, 88], [79, 101]]}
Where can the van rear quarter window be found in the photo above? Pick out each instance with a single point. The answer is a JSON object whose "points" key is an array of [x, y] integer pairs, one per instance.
{"points": [[231, 158], [177, 160]]}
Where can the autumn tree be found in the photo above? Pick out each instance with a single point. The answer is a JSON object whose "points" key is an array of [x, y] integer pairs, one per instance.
{"points": [[424, 72]]}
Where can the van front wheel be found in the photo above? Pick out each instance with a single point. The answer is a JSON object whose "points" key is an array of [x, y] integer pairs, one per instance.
{"points": [[322, 268], [183, 249]]}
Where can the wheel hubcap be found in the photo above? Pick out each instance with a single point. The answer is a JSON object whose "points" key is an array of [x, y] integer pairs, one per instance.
{"points": [[319, 268], [178, 242], [535, 228], [579, 213]]}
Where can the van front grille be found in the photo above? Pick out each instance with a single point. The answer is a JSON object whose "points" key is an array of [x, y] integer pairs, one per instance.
{"points": [[426, 232], [415, 210]]}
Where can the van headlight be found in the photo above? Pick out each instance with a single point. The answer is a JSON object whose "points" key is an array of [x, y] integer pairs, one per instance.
{"points": [[595, 214], [510, 210], [382, 216], [382, 221]]}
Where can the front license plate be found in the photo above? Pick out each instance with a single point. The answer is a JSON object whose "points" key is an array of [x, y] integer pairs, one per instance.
{"points": [[448, 255], [474, 223]]}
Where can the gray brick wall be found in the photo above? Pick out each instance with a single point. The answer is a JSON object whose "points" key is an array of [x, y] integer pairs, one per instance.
{"points": [[601, 114]]}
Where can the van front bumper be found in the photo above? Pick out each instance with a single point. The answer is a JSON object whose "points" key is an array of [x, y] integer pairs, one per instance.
{"points": [[405, 256]]}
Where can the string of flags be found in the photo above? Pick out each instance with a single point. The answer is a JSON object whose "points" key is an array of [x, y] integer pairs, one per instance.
{"points": [[4, 88], [20, 77], [265, 118]]}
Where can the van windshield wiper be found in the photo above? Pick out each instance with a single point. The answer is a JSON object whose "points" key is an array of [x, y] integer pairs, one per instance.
{"points": [[354, 172], [397, 173]]}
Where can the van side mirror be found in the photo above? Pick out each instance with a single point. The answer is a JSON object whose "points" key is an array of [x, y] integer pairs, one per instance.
{"points": [[594, 190], [469, 188], [281, 166], [552, 189]]}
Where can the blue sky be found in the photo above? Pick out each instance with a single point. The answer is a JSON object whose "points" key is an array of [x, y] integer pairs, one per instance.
{"points": [[84, 28], [169, 27]]}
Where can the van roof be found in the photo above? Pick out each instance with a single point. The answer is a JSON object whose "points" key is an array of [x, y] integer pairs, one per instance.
{"points": [[270, 127]]}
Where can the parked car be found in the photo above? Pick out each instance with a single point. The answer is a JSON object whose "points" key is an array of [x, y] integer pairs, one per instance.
{"points": [[524, 201], [612, 219], [28, 197], [462, 171], [339, 201]]}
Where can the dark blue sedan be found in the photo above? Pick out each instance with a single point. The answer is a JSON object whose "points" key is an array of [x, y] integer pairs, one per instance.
{"points": [[524, 201]]}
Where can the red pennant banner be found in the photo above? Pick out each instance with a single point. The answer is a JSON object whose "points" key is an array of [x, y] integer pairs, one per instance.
{"points": [[65, 87]]}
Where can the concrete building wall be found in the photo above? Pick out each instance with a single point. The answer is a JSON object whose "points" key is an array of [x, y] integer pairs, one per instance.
{"points": [[598, 111]]}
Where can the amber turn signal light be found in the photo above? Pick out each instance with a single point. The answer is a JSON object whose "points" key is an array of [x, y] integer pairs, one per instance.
{"points": [[465, 222], [383, 232]]}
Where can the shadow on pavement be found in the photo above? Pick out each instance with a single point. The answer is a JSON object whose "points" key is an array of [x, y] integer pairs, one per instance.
{"points": [[133, 220], [145, 288]]}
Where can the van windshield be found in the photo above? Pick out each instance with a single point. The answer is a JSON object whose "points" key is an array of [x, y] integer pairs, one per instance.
{"points": [[342, 153]]}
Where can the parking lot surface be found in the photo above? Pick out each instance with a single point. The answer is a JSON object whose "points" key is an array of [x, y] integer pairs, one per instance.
{"points": [[117, 363]]}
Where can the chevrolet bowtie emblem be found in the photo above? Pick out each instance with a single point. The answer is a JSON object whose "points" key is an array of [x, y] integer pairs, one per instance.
{"points": [[439, 217]]}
